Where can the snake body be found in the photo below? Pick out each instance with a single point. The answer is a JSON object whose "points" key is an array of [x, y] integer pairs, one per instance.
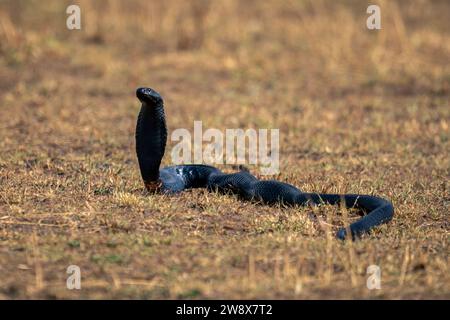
{"points": [[151, 137]]}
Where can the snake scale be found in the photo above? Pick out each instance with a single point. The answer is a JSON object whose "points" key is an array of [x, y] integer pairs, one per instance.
{"points": [[151, 137]]}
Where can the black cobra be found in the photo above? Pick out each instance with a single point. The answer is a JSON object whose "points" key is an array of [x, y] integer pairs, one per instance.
{"points": [[151, 137]]}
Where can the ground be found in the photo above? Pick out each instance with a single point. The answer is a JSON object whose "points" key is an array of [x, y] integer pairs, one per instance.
{"points": [[360, 111]]}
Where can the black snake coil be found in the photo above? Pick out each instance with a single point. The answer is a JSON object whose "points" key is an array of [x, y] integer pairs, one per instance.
{"points": [[151, 137]]}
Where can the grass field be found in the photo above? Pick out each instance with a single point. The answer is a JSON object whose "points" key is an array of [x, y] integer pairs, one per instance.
{"points": [[360, 111]]}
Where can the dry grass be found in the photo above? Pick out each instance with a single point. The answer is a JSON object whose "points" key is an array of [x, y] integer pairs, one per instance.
{"points": [[359, 111]]}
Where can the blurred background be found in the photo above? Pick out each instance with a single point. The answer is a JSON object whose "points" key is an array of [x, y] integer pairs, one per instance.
{"points": [[303, 41]]}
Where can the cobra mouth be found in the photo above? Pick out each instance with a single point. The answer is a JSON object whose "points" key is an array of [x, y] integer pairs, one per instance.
{"points": [[148, 95]]}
